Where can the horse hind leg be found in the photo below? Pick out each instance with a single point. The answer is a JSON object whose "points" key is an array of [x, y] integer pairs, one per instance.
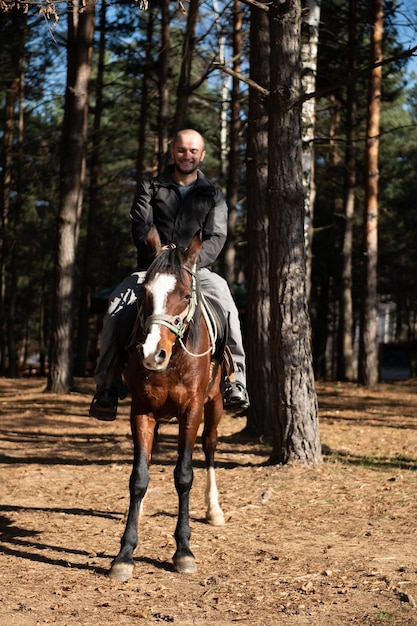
{"points": [[214, 514]]}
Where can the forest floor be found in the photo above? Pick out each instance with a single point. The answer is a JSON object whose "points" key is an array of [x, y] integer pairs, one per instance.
{"points": [[329, 546]]}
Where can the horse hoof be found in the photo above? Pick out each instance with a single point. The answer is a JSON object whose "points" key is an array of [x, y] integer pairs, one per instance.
{"points": [[215, 518], [121, 571], [185, 565]]}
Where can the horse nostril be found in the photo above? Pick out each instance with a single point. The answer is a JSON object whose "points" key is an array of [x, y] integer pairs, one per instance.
{"points": [[160, 356]]}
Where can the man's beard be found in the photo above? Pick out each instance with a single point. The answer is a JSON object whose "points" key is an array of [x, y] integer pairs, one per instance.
{"points": [[183, 170]]}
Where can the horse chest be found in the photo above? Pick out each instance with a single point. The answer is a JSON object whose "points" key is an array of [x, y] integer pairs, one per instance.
{"points": [[167, 389]]}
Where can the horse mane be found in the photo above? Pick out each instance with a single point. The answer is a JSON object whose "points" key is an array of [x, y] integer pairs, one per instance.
{"points": [[171, 262], [166, 262]]}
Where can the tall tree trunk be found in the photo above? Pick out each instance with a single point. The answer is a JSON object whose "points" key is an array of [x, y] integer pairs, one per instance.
{"points": [[368, 349], [93, 203], [232, 192], [16, 222], [163, 115], [294, 404], [221, 43], [74, 138], [14, 34], [345, 329], [147, 73], [335, 164], [184, 83], [309, 49], [257, 318], [12, 93]]}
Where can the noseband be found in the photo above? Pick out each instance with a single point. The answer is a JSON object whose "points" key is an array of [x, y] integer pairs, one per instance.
{"points": [[177, 324]]}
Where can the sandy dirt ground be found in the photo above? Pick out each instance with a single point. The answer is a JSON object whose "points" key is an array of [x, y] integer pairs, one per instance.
{"points": [[329, 546]]}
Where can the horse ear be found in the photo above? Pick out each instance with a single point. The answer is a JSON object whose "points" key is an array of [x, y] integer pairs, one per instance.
{"points": [[192, 253], [153, 242]]}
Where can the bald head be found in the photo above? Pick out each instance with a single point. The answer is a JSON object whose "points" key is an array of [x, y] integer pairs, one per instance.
{"points": [[190, 135]]}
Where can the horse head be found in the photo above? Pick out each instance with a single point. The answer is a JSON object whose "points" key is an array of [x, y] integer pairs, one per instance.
{"points": [[169, 300]]}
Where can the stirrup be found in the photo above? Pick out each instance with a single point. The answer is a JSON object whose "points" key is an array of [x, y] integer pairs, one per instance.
{"points": [[235, 396]]}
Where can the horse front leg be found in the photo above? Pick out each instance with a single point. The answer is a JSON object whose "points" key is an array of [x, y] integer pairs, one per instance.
{"points": [[184, 561], [212, 415], [142, 432]]}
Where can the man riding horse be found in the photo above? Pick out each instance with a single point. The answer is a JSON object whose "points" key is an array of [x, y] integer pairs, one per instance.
{"points": [[179, 203]]}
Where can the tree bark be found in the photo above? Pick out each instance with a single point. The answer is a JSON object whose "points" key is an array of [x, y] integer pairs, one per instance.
{"points": [[335, 163], [368, 349], [93, 203], [257, 317], [224, 91], [163, 115], [345, 329], [14, 35], [294, 403], [309, 50], [74, 138], [12, 93], [184, 83], [147, 74], [232, 188], [13, 371]]}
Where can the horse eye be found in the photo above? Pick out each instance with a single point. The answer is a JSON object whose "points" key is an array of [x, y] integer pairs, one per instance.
{"points": [[187, 297]]}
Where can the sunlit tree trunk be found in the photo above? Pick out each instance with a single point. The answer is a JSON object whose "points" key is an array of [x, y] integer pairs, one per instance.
{"points": [[368, 349], [257, 319], [294, 404], [73, 143], [232, 191], [309, 50], [224, 105]]}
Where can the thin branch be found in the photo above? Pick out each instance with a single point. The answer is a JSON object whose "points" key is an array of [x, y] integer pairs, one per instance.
{"points": [[258, 5], [244, 79]]}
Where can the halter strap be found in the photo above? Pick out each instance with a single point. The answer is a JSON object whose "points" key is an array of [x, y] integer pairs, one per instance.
{"points": [[177, 324]]}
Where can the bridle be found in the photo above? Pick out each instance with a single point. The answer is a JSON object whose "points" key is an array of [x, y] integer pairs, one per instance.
{"points": [[178, 324]]}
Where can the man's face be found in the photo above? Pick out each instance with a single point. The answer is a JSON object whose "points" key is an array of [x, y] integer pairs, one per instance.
{"points": [[188, 152]]}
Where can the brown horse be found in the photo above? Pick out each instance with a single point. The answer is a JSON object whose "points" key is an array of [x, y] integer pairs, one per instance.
{"points": [[170, 373]]}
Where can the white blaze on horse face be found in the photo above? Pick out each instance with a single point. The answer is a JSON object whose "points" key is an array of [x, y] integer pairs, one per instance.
{"points": [[160, 287]]}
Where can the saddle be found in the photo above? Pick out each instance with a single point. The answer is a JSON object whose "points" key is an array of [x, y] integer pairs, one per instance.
{"points": [[218, 326]]}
